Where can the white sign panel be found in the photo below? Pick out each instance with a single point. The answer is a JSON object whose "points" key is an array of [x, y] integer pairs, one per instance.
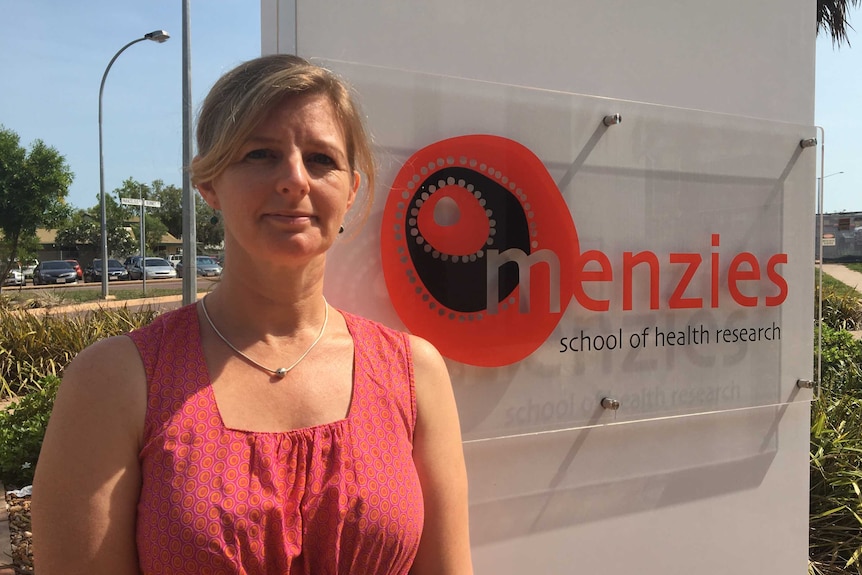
{"points": [[562, 250], [138, 202]]}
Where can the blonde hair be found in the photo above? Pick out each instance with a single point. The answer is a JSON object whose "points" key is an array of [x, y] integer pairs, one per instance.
{"points": [[240, 99]]}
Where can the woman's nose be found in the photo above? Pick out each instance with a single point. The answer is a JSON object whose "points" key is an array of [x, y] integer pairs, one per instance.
{"points": [[293, 175]]}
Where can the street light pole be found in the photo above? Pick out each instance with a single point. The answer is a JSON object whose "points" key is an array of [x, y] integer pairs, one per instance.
{"points": [[159, 36], [190, 238], [820, 188]]}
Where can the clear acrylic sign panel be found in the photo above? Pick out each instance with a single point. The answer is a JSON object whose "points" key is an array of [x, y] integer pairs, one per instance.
{"points": [[693, 189]]}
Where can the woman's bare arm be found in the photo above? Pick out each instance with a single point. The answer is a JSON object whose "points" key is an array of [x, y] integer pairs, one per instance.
{"points": [[88, 480], [439, 458]]}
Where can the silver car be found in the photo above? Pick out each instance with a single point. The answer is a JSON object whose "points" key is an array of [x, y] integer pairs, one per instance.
{"points": [[27, 270], [206, 267], [15, 277], [157, 269]]}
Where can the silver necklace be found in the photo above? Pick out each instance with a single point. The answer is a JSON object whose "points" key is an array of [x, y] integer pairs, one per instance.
{"points": [[281, 371]]}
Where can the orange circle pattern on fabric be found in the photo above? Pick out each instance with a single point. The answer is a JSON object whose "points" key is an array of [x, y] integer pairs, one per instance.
{"points": [[316, 500]]}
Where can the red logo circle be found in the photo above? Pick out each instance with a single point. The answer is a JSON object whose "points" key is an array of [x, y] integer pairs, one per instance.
{"points": [[478, 248]]}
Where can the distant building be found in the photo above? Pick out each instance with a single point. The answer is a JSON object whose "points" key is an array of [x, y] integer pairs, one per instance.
{"points": [[841, 236], [85, 253]]}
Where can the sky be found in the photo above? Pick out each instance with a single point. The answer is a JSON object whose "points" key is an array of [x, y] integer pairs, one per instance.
{"points": [[838, 110], [53, 54]]}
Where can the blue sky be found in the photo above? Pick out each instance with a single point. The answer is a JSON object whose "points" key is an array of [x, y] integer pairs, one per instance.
{"points": [[838, 111], [53, 54], [52, 57]]}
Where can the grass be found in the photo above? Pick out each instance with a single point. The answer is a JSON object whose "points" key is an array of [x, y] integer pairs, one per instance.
{"points": [[842, 289], [841, 306], [856, 267], [84, 296], [46, 298]]}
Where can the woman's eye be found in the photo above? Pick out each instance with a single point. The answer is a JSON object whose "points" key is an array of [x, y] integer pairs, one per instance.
{"points": [[321, 159], [257, 155]]}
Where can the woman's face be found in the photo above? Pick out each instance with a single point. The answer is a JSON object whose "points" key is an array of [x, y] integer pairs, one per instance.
{"points": [[285, 195]]}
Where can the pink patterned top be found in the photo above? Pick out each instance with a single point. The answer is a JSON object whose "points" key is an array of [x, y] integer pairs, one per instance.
{"points": [[336, 498]]}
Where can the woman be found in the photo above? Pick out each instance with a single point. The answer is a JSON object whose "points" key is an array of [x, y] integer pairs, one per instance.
{"points": [[260, 430]]}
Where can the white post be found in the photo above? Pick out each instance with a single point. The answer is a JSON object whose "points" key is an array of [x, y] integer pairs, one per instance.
{"points": [[143, 247]]}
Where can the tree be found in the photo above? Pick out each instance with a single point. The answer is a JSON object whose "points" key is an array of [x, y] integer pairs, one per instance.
{"points": [[155, 231], [169, 216], [81, 228], [120, 239], [33, 186], [832, 18], [171, 210], [208, 233]]}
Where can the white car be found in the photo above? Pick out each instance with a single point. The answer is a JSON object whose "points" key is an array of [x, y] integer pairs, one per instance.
{"points": [[15, 277], [27, 270], [174, 259]]}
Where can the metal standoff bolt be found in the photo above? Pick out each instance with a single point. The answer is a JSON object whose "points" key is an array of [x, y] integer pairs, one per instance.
{"points": [[610, 403], [804, 384], [808, 143], [612, 120]]}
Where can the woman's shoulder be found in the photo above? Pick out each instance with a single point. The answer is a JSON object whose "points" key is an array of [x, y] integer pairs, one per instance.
{"points": [[166, 321], [422, 354], [369, 331], [108, 375]]}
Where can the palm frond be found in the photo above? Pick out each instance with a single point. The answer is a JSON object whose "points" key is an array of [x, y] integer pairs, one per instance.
{"points": [[832, 18]]}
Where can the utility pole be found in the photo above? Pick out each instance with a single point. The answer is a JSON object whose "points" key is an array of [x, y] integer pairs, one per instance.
{"points": [[190, 237], [144, 204]]}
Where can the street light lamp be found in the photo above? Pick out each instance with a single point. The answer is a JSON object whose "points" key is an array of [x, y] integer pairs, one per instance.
{"points": [[829, 175], [820, 198], [159, 36]]}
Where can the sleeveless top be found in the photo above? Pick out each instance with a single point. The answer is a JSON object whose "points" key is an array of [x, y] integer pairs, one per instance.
{"points": [[336, 498]]}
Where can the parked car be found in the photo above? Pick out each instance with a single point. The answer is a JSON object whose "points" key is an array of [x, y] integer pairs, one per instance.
{"points": [[174, 259], [116, 271], [206, 267], [77, 266], [27, 269], [129, 263], [15, 277], [54, 272], [157, 269]]}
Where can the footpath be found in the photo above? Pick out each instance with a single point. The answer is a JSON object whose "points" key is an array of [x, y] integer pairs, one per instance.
{"points": [[845, 275], [164, 303]]}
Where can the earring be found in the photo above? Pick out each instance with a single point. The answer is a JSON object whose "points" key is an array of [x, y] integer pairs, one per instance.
{"points": [[214, 219], [341, 230]]}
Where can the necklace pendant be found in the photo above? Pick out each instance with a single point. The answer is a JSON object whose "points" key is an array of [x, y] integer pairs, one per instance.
{"points": [[280, 372]]}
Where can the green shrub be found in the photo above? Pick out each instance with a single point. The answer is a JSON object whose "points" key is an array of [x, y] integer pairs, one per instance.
{"points": [[842, 308], [841, 359], [835, 500], [835, 503], [22, 428], [34, 345]]}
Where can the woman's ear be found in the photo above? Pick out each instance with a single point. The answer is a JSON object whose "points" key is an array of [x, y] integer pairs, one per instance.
{"points": [[357, 179], [208, 194], [206, 189]]}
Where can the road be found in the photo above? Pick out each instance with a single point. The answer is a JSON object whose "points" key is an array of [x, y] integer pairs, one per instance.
{"points": [[203, 285]]}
